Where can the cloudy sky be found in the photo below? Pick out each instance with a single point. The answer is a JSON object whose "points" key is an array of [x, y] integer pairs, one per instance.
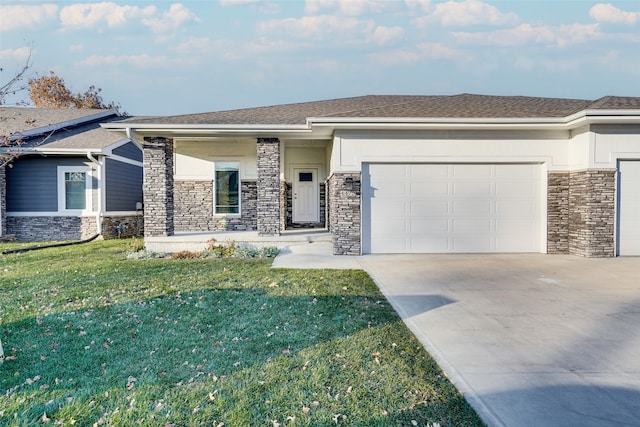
{"points": [[164, 57]]}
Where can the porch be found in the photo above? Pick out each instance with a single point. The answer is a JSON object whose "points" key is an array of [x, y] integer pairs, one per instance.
{"points": [[198, 241]]}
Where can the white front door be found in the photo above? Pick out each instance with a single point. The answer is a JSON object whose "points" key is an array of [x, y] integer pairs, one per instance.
{"points": [[305, 195]]}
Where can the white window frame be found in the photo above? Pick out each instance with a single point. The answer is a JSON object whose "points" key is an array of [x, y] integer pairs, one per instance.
{"points": [[239, 163], [62, 170]]}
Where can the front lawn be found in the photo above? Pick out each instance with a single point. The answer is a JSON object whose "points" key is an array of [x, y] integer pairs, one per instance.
{"points": [[92, 338]]}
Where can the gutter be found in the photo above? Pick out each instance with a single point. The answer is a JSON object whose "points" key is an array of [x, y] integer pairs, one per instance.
{"points": [[101, 183]]}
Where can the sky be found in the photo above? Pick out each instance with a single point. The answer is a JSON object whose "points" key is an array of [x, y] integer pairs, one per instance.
{"points": [[169, 58]]}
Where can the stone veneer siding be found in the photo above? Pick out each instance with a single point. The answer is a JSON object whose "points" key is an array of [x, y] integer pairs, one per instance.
{"points": [[558, 213], [194, 208], [43, 228], [592, 213], [344, 214], [288, 207], [269, 187], [157, 187], [46, 228]]}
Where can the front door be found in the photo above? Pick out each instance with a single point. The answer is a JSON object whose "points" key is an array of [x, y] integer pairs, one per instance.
{"points": [[305, 195]]}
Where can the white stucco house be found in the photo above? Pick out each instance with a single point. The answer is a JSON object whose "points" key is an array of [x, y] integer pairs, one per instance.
{"points": [[404, 174]]}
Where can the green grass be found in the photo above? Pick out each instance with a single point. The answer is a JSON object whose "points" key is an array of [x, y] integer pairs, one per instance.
{"points": [[94, 338]]}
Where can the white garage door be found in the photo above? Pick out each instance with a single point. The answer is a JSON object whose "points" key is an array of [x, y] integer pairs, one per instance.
{"points": [[629, 208], [447, 208]]}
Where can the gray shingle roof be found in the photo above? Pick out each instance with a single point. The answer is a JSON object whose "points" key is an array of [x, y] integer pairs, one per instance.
{"points": [[54, 128], [400, 106]]}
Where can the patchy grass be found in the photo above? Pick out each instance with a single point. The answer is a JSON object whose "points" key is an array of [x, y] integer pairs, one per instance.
{"points": [[93, 338]]}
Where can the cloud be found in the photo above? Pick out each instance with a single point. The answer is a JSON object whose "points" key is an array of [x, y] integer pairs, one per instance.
{"points": [[422, 52], [561, 36], [317, 27], [237, 2], [466, 13], [138, 61], [175, 17], [385, 35], [20, 54], [347, 7], [610, 14], [92, 15], [26, 17]]}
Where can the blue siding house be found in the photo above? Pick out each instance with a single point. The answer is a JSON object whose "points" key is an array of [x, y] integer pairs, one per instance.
{"points": [[65, 178]]}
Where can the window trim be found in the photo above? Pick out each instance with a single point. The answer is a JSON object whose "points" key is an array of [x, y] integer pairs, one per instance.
{"points": [[62, 170], [215, 164]]}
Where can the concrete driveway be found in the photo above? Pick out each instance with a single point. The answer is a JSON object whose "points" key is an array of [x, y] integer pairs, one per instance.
{"points": [[531, 340]]}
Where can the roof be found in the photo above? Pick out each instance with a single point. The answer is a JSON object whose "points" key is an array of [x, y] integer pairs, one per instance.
{"points": [[53, 129], [399, 106]]}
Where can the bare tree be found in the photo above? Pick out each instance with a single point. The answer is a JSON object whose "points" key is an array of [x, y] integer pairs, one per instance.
{"points": [[12, 87], [16, 83]]}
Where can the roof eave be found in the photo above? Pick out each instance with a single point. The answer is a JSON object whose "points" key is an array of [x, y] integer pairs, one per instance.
{"points": [[56, 126]]}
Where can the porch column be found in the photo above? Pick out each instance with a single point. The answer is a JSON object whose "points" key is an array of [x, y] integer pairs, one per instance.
{"points": [[344, 197], [157, 187], [268, 168]]}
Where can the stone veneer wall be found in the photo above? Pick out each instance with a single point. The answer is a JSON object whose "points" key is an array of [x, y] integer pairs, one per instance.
{"points": [[157, 187], [592, 213], [194, 208], [269, 187], [344, 214], [42, 228], [288, 208], [558, 213]]}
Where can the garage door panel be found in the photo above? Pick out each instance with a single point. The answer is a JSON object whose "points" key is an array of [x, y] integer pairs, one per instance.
{"points": [[516, 208], [472, 226], [471, 207], [429, 209], [473, 172], [472, 244], [432, 244], [453, 208], [433, 189], [515, 227], [427, 227], [521, 190], [471, 189], [435, 172]]}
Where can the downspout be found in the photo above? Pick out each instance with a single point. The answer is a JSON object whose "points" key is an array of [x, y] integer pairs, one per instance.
{"points": [[100, 191]]}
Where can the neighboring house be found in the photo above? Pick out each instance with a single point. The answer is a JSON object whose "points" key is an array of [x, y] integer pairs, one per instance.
{"points": [[402, 174], [69, 178]]}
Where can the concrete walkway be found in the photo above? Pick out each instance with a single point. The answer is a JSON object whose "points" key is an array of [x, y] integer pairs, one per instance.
{"points": [[530, 339]]}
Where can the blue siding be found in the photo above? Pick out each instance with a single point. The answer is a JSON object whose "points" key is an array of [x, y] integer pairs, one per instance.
{"points": [[32, 182], [130, 151], [124, 186]]}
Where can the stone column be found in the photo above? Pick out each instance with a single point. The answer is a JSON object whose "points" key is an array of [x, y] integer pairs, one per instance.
{"points": [[558, 212], [592, 213], [268, 167], [158, 187], [344, 213]]}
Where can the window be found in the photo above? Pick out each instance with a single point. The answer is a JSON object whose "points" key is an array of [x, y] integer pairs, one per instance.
{"points": [[74, 188], [227, 188]]}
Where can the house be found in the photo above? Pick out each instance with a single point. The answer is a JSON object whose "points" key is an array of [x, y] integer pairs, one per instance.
{"points": [[68, 178], [402, 174]]}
